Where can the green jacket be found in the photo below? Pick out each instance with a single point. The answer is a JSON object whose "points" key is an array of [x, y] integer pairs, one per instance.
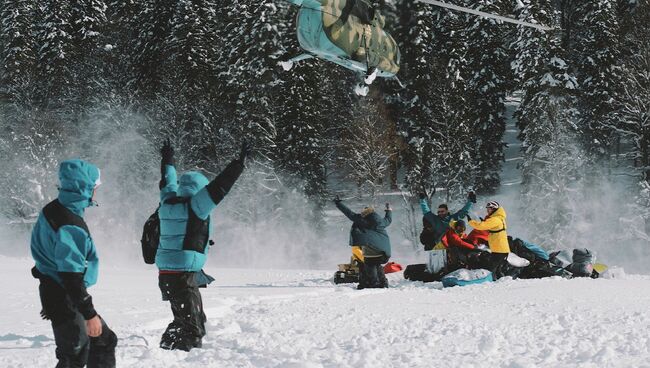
{"points": [[439, 225]]}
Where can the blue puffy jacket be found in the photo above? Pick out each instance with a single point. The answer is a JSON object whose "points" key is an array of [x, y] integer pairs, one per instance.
{"points": [[70, 249], [369, 230], [185, 207]]}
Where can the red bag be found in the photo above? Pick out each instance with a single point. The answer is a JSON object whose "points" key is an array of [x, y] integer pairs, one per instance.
{"points": [[391, 267]]}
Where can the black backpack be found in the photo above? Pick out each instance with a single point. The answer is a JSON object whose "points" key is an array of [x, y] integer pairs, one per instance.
{"points": [[151, 238], [427, 236]]}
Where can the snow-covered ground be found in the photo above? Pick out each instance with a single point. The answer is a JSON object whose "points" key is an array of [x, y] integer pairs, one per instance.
{"points": [[293, 318]]}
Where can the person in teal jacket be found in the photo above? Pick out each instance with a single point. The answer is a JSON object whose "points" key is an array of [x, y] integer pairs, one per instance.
{"points": [[436, 225], [66, 264], [185, 229], [369, 232]]}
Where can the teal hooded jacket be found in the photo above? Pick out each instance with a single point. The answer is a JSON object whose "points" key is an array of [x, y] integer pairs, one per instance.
{"points": [[71, 248], [200, 197]]}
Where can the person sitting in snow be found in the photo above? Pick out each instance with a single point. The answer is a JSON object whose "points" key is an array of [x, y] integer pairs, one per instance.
{"points": [[435, 226], [66, 264], [369, 232], [495, 223], [455, 236], [185, 227], [459, 246]]}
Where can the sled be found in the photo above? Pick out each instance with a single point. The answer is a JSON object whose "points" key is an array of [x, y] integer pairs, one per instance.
{"points": [[392, 267], [349, 272], [464, 277], [600, 268]]}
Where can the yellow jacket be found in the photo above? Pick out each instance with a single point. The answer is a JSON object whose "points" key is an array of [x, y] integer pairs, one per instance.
{"points": [[496, 225]]}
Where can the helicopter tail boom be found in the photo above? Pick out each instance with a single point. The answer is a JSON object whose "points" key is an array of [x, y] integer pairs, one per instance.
{"points": [[486, 15]]}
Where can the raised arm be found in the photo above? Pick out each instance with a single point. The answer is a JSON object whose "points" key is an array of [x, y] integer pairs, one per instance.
{"points": [[346, 211], [209, 197], [424, 206], [471, 198], [168, 177], [388, 217], [353, 216], [491, 223], [463, 212]]}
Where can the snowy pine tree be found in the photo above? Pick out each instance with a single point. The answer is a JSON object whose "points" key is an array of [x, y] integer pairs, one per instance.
{"points": [[148, 53], [437, 133], [489, 79], [598, 62], [367, 147], [18, 46], [551, 160], [55, 51], [633, 106]]}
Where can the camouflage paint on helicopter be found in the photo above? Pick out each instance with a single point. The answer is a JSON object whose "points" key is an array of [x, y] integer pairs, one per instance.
{"points": [[349, 33]]}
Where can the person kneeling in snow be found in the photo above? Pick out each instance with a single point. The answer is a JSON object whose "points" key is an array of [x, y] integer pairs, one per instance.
{"points": [[369, 232], [66, 264], [495, 223], [185, 228]]}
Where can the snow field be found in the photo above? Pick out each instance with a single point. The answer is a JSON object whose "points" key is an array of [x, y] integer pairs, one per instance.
{"points": [[292, 318]]}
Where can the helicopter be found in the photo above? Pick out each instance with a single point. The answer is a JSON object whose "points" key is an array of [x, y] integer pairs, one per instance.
{"points": [[351, 33]]}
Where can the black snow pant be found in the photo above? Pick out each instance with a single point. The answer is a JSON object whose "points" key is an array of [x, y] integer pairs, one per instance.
{"points": [[497, 264], [188, 327], [74, 348], [371, 271]]}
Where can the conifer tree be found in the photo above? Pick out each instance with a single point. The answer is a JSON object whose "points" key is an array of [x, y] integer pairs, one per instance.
{"points": [[55, 50], [551, 158], [489, 79], [149, 54], [597, 60], [17, 45]]}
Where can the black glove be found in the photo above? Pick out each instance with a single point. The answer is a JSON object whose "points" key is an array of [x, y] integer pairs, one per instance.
{"points": [[481, 218], [423, 195], [337, 199], [167, 152], [468, 218], [388, 207], [472, 197], [246, 150]]}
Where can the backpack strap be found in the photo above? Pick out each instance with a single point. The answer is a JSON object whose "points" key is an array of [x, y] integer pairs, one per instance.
{"points": [[498, 231], [178, 200], [57, 215], [197, 232]]}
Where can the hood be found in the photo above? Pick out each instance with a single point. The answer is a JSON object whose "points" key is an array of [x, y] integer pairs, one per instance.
{"points": [[190, 183], [374, 218], [77, 181], [500, 212]]}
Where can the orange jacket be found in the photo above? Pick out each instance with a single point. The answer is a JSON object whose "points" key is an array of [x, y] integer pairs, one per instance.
{"points": [[452, 239]]}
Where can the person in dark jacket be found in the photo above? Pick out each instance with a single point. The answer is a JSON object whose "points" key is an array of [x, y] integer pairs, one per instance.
{"points": [[66, 264], [185, 228], [369, 232], [436, 225]]}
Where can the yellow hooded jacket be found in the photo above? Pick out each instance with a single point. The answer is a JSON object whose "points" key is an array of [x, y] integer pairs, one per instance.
{"points": [[496, 225]]}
